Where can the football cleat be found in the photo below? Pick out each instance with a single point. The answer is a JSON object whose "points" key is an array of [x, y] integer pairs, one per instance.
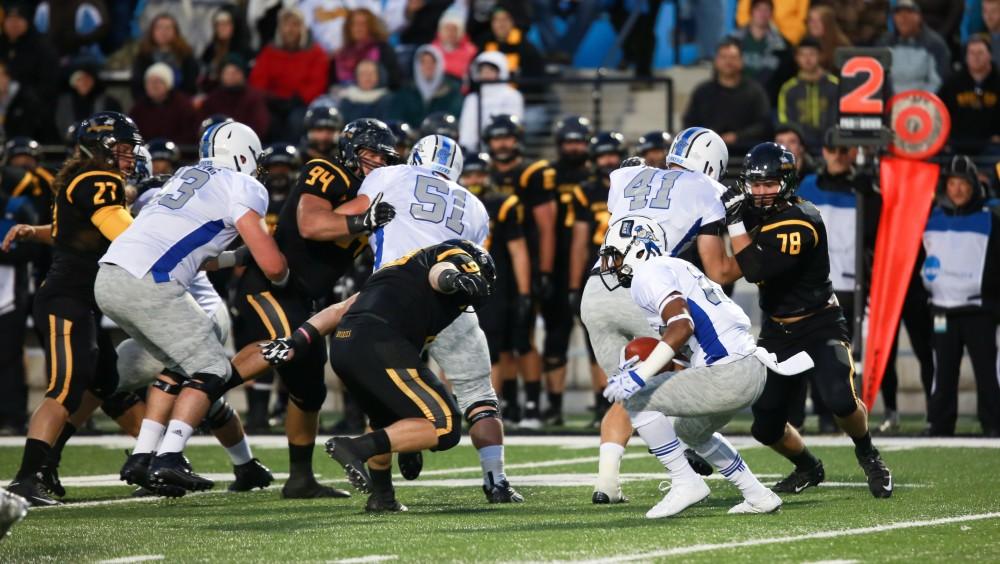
{"points": [[879, 477], [410, 464], [135, 471], [605, 498], [501, 492], [13, 508], [48, 476], [798, 481], [697, 463], [384, 502], [33, 492], [767, 504], [679, 497], [309, 488], [357, 474], [143, 492], [530, 423], [171, 475], [251, 475]]}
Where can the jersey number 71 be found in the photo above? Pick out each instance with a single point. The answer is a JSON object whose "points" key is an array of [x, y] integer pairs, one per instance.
{"points": [[432, 195]]}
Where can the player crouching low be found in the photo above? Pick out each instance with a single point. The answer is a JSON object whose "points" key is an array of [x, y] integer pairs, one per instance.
{"points": [[376, 352], [727, 371]]}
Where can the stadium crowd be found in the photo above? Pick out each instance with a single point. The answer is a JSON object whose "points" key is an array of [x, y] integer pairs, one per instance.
{"points": [[296, 72]]}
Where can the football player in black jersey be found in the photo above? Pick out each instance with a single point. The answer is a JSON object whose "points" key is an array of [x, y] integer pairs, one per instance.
{"points": [[322, 124], [439, 123], [375, 350], [165, 156], [320, 245], [781, 245], [89, 212], [534, 183], [652, 147]]}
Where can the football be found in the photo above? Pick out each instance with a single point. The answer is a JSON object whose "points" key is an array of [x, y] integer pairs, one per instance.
{"points": [[640, 347]]}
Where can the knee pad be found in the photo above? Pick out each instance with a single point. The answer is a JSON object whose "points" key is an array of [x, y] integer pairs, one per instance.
{"points": [[118, 403], [167, 387], [472, 390], [550, 363], [307, 392], [492, 410], [219, 413], [767, 429], [211, 385]]}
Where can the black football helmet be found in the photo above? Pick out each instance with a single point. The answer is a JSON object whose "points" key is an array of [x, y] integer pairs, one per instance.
{"points": [[504, 125], [165, 150], [371, 134], [323, 117], [211, 120], [476, 162], [486, 265], [770, 161], [406, 136], [22, 146], [98, 135], [633, 161], [653, 140], [280, 154], [607, 142], [573, 128], [439, 123]]}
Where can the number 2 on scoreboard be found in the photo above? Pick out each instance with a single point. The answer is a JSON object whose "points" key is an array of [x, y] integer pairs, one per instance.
{"points": [[863, 100]]}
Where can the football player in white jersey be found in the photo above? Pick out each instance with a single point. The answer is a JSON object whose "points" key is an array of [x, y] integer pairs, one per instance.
{"points": [[727, 371], [197, 215], [684, 201], [431, 207]]}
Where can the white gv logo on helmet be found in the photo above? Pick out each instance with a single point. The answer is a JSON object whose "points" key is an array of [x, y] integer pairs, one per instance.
{"points": [[440, 154]]}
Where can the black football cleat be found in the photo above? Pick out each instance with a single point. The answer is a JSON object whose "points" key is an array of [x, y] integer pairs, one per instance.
{"points": [[384, 502], [697, 463], [33, 492], [357, 474], [48, 476], [879, 477], [410, 464], [602, 498], [251, 475], [135, 471], [501, 492], [798, 481], [309, 488], [144, 492], [171, 475]]}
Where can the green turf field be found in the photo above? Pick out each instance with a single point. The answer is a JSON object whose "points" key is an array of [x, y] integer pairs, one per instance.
{"points": [[946, 508]]}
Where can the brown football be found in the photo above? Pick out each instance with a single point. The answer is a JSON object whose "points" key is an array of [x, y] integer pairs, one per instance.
{"points": [[641, 347]]}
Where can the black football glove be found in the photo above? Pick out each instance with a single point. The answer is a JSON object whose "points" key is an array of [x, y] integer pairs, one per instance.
{"points": [[523, 311], [574, 302], [544, 289], [735, 200], [278, 351], [471, 285], [377, 215]]}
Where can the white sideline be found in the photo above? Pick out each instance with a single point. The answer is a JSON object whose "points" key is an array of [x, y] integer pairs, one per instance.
{"points": [[127, 559], [365, 559], [683, 550]]}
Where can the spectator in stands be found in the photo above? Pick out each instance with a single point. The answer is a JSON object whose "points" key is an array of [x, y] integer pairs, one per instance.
{"points": [[421, 19], [21, 114], [729, 103], [523, 60], [229, 36], [163, 43], [991, 18], [432, 90], [789, 16], [365, 39], [480, 14], [863, 21], [578, 15], [292, 72], [496, 99], [972, 97], [920, 58], [822, 25], [810, 98], [85, 97], [368, 96], [944, 17], [766, 55], [640, 43], [164, 111], [235, 98], [454, 44], [790, 135], [325, 18], [75, 27], [30, 58]]}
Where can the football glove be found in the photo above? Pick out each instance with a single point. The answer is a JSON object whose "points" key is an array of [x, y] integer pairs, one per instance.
{"points": [[623, 385], [471, 285], [734, 200], [277, 351], [378, 214]]}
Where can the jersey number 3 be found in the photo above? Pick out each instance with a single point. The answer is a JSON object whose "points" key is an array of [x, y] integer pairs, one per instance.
{"points": [[193, 179], [432, 195]]}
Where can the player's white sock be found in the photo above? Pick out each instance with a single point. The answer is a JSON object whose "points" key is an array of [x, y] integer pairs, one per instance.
{"points": [[608, 466], [149, 437], [240, 452], [720, 453], [658, 433], [178, 433], [491, 459]]}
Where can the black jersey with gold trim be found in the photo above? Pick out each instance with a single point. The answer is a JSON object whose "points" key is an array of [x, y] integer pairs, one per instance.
{"points": [[535, 184], [506, 225], [788, 259]]}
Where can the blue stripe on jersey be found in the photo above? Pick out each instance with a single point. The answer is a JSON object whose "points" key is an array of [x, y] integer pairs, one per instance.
{"points": [[679, 247], [979, 222], [809, 189], [181, 249], [378, 247], [704, 331]]}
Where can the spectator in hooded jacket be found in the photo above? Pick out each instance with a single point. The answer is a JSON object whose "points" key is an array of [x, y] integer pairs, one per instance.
{"points": [[164, 111], [368, 96], [230, 36], [789, 16], [810, 98], [163, 43], [767, 57], [235, 98], [30, 58], [85, 97], [432, 90], [454, 44], [972, 97], [496, 98], [365, 38], [920, 58]]}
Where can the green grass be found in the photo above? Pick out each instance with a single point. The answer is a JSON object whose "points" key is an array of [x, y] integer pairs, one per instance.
{"points": [[556, 522]]}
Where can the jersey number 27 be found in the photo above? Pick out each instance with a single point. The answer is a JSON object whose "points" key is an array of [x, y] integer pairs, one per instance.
{"points": [[432, 195]]}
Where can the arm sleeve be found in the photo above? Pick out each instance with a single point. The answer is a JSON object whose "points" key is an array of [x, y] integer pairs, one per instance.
{"points": [[322, 178], [111, 221], [777, 248]]}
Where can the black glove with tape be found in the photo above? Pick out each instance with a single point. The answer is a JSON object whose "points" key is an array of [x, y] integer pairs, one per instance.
{"points": [[377, 215]]}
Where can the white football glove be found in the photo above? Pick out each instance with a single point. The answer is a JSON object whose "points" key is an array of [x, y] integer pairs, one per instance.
{"points": [[623, 385]]}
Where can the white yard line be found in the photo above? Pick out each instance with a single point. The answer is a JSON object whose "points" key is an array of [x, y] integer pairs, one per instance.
{"points": [[684, 550], [365, 559], [127, 559]]}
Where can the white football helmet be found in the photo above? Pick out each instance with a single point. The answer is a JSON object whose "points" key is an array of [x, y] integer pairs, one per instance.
{"points": [[699, 149], [633, 240], [440, 154], [231, 145]]}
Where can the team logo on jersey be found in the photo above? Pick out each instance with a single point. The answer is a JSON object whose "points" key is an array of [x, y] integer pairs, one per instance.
{"points": [[626, 228], [648, 240], [932, 267]]}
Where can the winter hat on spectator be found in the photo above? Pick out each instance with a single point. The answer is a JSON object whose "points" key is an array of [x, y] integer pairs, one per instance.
{"points": [[236, 60], [161, 71], [453, 16]]}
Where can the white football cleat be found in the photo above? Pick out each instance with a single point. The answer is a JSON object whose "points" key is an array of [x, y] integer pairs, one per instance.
{"points": [[531, 424], [679, 497], [769, 503]]}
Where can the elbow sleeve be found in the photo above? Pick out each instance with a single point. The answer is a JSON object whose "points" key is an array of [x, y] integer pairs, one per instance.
{"points": [[111, 221]]}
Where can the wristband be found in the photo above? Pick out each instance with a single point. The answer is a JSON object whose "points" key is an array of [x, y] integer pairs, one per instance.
{"points": [[304, 336], [657, 360], [736, 229], [226, 259], [356, 224]]}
